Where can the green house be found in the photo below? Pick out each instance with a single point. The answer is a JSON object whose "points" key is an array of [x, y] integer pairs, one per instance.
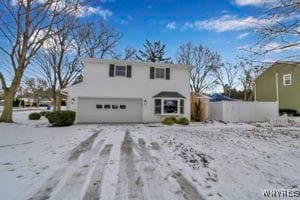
{"points": [[280, 82]]}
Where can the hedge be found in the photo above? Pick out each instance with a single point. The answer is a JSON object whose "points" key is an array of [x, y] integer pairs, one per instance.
{"points": [[172, 120], [34, 116], [61, 118], [168, 121]]}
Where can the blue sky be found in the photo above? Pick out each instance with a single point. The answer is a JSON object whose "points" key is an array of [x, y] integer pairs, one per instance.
{"points": [[222, 25]]}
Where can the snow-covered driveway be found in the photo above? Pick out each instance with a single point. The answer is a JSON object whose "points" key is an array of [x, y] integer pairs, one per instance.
{"points": [[200, 161]]}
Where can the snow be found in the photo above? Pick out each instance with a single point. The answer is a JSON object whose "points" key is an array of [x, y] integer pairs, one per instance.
{"points": [[151, 161]]}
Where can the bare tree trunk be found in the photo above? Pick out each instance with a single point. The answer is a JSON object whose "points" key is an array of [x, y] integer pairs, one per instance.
{"points": [[9, 94], [58, 102], [8, 108]]}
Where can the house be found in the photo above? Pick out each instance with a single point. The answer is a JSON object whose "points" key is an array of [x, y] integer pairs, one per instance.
{"points": [[280, 82], [118, 91]]}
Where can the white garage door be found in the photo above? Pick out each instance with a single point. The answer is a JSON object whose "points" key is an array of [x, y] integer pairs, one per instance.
{"points": [[102, 110]]}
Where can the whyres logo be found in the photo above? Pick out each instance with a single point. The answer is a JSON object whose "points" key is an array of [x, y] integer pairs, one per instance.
{"points": [[282, 193]]}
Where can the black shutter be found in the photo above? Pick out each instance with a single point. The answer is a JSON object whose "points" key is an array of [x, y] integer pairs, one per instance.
{"points": [[181, 106], [168, 73], [111, 70], [157, 106], [152, 72], [129, 71]]}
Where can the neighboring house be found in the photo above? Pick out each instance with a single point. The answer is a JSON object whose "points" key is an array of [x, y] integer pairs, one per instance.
{"points": [[28, 102], [117, 91], [280, 82], [220, 97]]}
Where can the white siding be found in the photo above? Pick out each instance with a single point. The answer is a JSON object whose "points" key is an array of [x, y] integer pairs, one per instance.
{"points": [[97, 83]]}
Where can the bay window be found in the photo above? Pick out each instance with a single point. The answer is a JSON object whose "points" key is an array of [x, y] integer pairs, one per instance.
{"points": [[166, 106]]}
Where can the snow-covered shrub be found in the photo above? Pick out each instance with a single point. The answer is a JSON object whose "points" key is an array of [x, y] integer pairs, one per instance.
{"points": [[168, 121], [61, 118], [34, 116]]}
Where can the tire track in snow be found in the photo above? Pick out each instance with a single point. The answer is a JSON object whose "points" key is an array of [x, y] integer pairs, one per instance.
{"points": [[94, 189], [84, 146], [155, 185], [130, 185], [189, 191], [72, 187], [46, 190]]}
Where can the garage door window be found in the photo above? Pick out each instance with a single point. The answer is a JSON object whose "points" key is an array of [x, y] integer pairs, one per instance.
{"points": [[114, 106], [123, 107], [99, 106], [106, 106]]}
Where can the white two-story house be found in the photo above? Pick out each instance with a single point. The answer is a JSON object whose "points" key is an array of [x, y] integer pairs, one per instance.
{"points": [[118, 91]]}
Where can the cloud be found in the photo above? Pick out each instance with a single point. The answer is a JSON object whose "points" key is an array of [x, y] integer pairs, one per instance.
{"points": [[125, 20], [86, 11], [231, 23], [273, 47], [242, 36], [171, 25], [254, 2], [276, 47], [188, 25]]}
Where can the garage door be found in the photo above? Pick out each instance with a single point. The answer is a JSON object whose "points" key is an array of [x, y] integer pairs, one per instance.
{"points": [[102, 110]]}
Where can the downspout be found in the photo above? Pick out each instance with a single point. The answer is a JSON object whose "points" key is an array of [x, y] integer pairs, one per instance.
{"points": [[277, 93], [254, 91]]}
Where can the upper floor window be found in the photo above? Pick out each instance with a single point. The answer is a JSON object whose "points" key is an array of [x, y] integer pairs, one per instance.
{"points": [[159, 72], [120, 71], [287, 79]]}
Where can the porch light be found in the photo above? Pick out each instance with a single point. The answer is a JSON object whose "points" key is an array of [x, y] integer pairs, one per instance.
{"points": [[72, 101], [145, 102]]}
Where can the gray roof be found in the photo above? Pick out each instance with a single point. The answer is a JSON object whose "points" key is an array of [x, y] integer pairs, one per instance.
{"points": [[169, 94], [136, 63]]}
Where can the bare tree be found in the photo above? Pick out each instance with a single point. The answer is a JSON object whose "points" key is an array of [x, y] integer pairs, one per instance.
{"points": [[99, 40], [226, 76], [283, 31], [59, 60], [129, 54], [36, 88], [206, 63], [249, 72], [25, 25]]}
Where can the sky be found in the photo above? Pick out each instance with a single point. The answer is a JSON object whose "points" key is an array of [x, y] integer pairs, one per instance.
{"points": [[224, 26]]}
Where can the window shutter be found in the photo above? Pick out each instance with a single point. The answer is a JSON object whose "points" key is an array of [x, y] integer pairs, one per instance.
{"points": [[168, 73], [129, 71], [152, 72], [157, 106], [111, 70], [181, 106]]}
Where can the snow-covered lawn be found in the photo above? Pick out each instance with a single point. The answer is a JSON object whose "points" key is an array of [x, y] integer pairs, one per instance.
{"points": [[150, 161]]}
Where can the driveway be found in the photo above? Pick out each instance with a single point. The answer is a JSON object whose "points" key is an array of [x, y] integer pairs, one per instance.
{"points": [[146, 161]]}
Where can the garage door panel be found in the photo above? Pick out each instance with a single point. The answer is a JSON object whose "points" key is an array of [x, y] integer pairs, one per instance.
{"points": [[88, 111]]}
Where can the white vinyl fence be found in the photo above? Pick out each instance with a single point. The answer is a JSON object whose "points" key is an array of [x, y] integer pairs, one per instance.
{"points": [[240, 111]]}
